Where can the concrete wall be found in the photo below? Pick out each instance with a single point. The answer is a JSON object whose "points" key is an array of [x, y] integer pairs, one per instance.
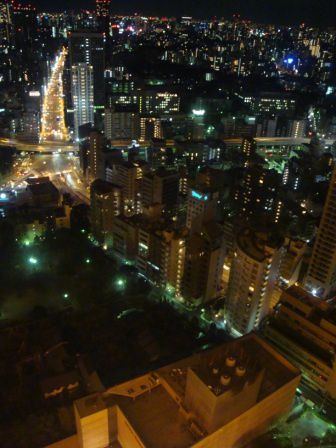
{"points": [[253, 422], [127, 437]]}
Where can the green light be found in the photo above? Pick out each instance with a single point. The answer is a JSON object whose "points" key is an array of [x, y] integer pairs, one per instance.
{"points": [[121, 283], [32, 260], [26, 243]]}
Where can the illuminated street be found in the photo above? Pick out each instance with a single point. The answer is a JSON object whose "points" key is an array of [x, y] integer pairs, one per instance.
{"points": [[53, 123], [62, 169]]}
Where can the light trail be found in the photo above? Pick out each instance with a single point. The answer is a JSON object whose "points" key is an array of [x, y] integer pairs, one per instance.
{"points": [[53, 120]]}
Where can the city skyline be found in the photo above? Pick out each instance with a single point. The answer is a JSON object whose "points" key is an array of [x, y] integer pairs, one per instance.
{"points": [[283, 12]]}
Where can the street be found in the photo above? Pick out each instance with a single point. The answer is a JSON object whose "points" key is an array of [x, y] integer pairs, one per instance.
{"points": [[53, 120]]}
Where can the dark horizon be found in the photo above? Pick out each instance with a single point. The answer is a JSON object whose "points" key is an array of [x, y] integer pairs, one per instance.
{"points": [[290, 12]]}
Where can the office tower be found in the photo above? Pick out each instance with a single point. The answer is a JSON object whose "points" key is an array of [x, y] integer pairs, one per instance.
{"points": [[321, 275], [82, 88], [222, 397], [268, 102], [150, 127], [89, 48], [160, 187], [95, 156], [303, 329], [253, 277], [151, 102], [122, 123], [204, 260], [106, 203], [201, 206]]}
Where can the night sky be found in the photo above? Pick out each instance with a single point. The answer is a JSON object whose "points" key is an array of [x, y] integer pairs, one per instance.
{"points": [[315, 12]]}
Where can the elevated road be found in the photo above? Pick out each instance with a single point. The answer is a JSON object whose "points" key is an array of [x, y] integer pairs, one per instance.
{"points": [[40, 148]]}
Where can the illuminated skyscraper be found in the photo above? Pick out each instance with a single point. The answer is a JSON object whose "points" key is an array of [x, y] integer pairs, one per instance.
{"points": [[253, 276], [89, 48], [82, 94], [321, 276]]}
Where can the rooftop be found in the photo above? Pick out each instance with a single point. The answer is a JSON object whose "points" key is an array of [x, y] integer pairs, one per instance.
{"points": [[156, 419], [103, 187], [42, 188], [255, 244], [153, 403]]}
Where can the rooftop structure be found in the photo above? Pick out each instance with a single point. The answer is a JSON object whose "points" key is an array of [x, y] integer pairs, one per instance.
{"points": [[225, 396]]}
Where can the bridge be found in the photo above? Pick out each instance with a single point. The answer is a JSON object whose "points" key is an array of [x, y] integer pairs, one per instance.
{"points": [[39, 148]]}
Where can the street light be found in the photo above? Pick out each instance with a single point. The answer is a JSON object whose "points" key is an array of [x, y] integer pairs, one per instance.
{"points": [[121, 283], [32, 260], [65, 295], [88, 261]]}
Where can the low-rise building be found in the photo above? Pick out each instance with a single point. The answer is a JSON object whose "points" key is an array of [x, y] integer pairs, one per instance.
{"points": [[222, 397]]}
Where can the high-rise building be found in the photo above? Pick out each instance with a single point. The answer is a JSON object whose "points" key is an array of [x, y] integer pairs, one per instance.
{"points": [[303, 329], [321, 275], [249, 148], [204, 260], [128, 176], [30, 127], [158, 102], [222, 397], [160, 254], [291, 263], [297, 128], [89, 48], [5, 22], [201, 206], [160, 187], [122, 123], [150, 127], [258, 194], [253, 277], [95, 155], [106, 203], [82, 95]]}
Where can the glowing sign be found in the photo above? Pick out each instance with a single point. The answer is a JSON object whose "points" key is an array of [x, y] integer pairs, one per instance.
{"points": [[34, 93], [198, 112], [199, 196]]}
